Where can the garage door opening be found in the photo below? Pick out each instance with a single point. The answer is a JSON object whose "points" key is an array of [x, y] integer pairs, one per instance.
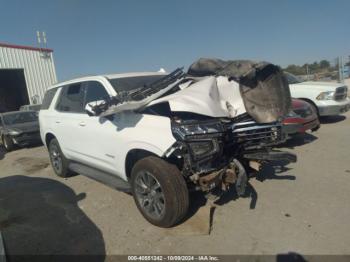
{"points": [[13, 89]]}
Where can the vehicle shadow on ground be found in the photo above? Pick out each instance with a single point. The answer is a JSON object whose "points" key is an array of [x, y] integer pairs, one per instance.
{"points": [[34, 145], [298, 140], [40, 216], [332, 119], [268, 171], [290, 257]]}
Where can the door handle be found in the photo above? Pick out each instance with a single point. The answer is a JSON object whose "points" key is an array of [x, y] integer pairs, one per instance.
{"points": [[82, 124]]}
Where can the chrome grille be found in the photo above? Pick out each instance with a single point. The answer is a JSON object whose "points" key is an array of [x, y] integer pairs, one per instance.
{"points": [[252, 134], [341, 93]]}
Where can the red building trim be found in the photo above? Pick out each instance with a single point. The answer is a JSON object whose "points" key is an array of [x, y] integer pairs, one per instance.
{"points": [[26, 47]]}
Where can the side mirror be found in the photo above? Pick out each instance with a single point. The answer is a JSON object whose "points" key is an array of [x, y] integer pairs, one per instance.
{"points": [[89, 110], [92, 108]]}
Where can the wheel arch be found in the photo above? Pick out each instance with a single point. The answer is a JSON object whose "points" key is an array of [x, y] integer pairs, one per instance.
{"points": [[135, 155], [48, 137], [310, 102]]}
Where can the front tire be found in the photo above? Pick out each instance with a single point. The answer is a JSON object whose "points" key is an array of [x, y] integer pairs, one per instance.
{"points": [[58, 161], [160, 191]]}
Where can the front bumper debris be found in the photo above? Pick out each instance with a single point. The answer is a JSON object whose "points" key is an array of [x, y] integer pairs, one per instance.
{"points": [[233, 174]]}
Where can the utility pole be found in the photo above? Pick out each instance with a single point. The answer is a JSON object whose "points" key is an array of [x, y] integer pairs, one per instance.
{"points": [[340, 69]]}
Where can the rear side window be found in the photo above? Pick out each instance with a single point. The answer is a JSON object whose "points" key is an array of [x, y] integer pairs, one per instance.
{"points": [[71, 99], [48, 98], [95, 91]]}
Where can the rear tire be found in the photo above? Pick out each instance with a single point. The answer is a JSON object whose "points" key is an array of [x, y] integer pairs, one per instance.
{"points": [[8, 143], [160, 191], [58, 161]]}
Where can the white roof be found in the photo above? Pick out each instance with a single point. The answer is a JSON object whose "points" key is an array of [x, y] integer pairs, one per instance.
{"points": [[109, 76], [122, 75]]}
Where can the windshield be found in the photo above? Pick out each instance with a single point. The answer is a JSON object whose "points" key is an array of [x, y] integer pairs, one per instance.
{"points": [[132, 83], [292, 79], [18, 118]]}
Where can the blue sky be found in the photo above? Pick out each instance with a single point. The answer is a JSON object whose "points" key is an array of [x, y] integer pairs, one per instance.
{"points": [[93, 37]]}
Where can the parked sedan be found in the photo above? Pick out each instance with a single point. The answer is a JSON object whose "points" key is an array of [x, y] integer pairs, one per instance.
{"points": [[302, 118], [19, 128]]}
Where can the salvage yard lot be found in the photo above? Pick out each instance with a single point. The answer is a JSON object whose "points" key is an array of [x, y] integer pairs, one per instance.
{"points": [[302, 208]]}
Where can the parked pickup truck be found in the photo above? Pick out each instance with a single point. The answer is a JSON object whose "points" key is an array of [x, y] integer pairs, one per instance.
{"points": [[328, 98], [161, 136]]}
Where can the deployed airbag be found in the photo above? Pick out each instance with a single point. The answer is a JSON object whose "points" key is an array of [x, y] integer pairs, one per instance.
{"points": [[264, 89], [201, 97]]}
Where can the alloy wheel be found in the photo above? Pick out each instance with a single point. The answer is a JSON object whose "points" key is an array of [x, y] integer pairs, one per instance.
{"points": [[56, 158], [149, 194]]}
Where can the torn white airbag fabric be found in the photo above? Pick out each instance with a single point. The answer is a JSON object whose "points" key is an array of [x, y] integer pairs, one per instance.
{"points": [[263, 87], [202, 97]]}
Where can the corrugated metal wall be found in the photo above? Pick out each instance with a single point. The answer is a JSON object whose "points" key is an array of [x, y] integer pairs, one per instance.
{"points": [[39, 68]]}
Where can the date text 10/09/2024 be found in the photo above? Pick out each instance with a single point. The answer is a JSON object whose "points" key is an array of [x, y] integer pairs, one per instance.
{"points": [[173, 258]]}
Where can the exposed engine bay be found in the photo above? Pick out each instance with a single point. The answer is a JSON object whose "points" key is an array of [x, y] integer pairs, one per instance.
{"points": [[225, 116], [218, 153]]}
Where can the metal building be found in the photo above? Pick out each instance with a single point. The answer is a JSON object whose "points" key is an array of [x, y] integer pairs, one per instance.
{"points": [[25, 74]]}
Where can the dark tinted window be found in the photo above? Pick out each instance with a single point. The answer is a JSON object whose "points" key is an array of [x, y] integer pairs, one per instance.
{"points": [[48, 98], [71, 99], [95, 91], [130, 83], [20, 117]]}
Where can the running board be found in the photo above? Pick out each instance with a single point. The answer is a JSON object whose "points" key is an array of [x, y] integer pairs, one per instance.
{"points": [[105, 178]]}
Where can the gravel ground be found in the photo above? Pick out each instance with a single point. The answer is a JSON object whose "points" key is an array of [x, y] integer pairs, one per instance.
{"points": [[302, 208]]}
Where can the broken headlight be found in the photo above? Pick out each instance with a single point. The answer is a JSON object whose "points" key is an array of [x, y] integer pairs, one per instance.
{"points": [[204, 148], [202, 138], [14, 132], [196, 129]]}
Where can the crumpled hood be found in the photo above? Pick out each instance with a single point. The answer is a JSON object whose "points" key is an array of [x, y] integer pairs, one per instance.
{"points": [[263, 86], [215, 88], [212, 96]]}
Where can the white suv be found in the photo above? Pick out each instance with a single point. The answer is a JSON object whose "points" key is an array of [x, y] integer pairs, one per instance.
{"points": [[156, 135]]}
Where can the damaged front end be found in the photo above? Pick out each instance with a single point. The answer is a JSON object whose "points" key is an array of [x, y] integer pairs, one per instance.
{"points": [[216, 154], [226, 117]]}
